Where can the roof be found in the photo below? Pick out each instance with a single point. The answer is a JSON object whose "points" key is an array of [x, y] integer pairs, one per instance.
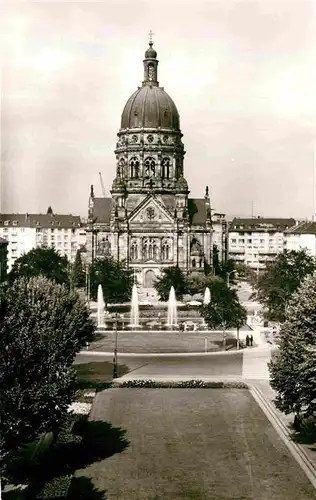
{"points": [[40, 220], [102, 209], [261, 224], [196, 207], [150, 107], [303, 228], [197, 211]]}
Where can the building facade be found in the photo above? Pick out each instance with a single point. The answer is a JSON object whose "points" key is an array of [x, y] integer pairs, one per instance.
{"points": [[302, 236], [23, 232], [256, 241], [3, 259], [150, 221]]}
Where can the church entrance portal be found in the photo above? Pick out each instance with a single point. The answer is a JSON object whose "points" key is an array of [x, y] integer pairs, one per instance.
{"points": [[150, 278]]}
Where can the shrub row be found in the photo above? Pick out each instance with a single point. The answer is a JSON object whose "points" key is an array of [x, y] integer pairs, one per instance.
{"points": [[82, 384], [189, 384], [56, 488]]}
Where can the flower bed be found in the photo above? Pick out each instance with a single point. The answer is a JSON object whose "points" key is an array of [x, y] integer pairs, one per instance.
{"points": [[186, 384]]}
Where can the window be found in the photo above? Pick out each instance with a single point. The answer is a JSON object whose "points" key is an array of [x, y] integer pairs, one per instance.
{"points": [[150, 138], [234, 240], [150, 167], [6, 222], [134, 167], [165, 251], [134, 251], [15, 222], [150, 250], [165, 168]]}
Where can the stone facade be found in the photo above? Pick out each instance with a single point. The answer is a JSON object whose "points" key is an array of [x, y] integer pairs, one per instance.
{"points": [[150, 221]]}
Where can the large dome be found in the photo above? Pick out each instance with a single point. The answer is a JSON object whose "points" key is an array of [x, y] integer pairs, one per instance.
{"points": [[150, 107]]}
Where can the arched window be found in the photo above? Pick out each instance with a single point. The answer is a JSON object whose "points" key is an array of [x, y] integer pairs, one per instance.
{"points": [[165, 168], [193, 263], [134, 167], [155, 252], [134, 251], [150, 167], [165, 251], [121, 167], [145, 250], [150, 250]]}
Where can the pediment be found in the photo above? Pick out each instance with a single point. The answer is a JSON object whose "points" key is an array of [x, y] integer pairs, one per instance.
{"points": [[150, 210]]}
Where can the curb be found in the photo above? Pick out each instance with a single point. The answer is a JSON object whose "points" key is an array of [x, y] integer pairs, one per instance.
{"points": [[297, 452]]}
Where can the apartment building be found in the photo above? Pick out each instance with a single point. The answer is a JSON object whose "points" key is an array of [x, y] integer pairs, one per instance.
{"points": [[3, 259], [26, 231], [220, 235], [302, 237], [256, 241]]}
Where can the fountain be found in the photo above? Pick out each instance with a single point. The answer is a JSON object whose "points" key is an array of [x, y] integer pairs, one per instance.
{"points": [[172, 318], [134, 319], [101, 308], [207, 296]]}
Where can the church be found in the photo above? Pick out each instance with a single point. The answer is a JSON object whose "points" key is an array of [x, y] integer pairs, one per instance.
{"points": [[150, 221]]}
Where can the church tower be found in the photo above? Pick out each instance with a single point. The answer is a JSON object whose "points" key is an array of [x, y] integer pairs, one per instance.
{"points": [[149, 152], [150, 222]]}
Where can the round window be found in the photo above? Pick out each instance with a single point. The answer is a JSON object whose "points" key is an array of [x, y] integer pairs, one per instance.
{"points": [[150, 138]]}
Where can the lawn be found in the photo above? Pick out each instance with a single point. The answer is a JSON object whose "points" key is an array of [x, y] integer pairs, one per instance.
{"points": [[162, 341], [97, 374], [194, 444]]}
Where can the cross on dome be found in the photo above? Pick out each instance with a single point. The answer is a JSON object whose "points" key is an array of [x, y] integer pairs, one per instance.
{"points": [[151, 37]]}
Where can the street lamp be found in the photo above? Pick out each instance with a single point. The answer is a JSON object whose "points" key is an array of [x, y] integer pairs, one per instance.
{"points": [[115, 350], [227, 276], [88, 285]]}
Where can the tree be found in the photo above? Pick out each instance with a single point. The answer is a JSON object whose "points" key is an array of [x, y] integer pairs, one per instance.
{"points": [[41, 262], [281, 279], [115, 278], [198, 282], [171, 276], [225, 269], [224, 309], [42, 327], [246, 273], [78, 272], [293, 366]]}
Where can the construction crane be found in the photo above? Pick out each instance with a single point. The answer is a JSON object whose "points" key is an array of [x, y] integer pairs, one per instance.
{"points": [[102, 185]]}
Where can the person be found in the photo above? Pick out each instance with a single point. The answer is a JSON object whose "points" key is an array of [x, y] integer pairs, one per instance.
{"points": [[247, 340], [251, 340]]}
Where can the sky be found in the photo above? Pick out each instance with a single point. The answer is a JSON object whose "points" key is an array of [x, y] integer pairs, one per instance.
{"points": [[242, 75]]}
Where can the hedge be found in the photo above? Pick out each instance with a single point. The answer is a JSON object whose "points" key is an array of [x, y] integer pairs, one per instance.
{"points": [[189, 384], [56, 488]]}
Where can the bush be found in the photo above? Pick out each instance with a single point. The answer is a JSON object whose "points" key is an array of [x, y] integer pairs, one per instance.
{"points": [[57, 488]]}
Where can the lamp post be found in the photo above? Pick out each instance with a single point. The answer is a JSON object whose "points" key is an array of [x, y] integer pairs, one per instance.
{"points": [[238, 340], [227, 276], [224, 335], [115, 350], [87, 285]]}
